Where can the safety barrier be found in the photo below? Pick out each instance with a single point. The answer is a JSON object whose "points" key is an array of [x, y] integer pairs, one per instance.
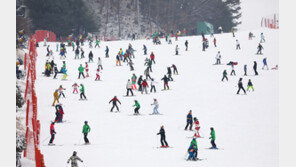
{"points": [[271, 21], [41, 34], [32, 150]]}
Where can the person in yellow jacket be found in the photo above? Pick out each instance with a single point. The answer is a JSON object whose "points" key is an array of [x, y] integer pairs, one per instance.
{"points": [[56, 97]]}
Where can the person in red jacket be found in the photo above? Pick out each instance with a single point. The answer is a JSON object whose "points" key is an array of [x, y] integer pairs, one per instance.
{"points": [[215, 42], [197, 127], [144, 86], [75, 86], [52, 133], [114, 100], [152, 57], [86, 69]]}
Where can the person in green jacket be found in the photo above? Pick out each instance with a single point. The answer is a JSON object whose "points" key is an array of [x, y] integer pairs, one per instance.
{"points": [[97, 43], [80, 70], [85, 131], [137, 105], [224, 75], [194, 145], [73, 46], [213, 138], [82, 92]]}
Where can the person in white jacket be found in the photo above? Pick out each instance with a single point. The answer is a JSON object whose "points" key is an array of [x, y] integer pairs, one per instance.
{"points": [[153, 85], [218, 58], [129, 88], [237, 45], [100, 63], [156, 105]]}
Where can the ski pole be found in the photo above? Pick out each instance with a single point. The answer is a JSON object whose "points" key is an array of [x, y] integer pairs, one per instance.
{"points": [[45, 139]]}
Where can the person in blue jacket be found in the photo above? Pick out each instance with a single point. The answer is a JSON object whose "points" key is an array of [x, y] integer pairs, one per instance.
{"points": [[189, 121], [264, 63]]}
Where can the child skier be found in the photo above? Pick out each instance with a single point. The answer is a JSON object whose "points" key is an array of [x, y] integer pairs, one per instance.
{"points": [[197, 127], [134, 79], [192, 150], [52, 133], [162, 137], [98, 74], [137, 105], [213, 138], [262, 38], [86, 69], [97, 43], [64, 71], [240, 86], [114, 102], [156, 105], [224, 75], [82, 91], [74, 159], [85, 131], [170, 73], [250, 85], [189, 121], [75, 86], [129, 88], [80, 70]]}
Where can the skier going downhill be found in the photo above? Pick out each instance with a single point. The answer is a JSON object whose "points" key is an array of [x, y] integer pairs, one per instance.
{"points": [[240, 86], [156, 105], [213, 138], [85, 131], [129, 88], [137, 105], [114, 102], [52, 133], [74, 159], [162, 137]]}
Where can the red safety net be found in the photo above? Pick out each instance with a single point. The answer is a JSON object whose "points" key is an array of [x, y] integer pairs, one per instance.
{"points": [[41, 34]]}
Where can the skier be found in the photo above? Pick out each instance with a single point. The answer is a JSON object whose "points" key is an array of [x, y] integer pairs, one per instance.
{"points": [[240, 86], [203, 35], [56, 71], [265, 63], [165, 82], [153, 85], [134, 79], [82, 53], [224, 75], [144, 86], [145, 49], [90, 57], [218, 58], [250, 85], [130, 63], [232, 31], [262, 38], [232, 69], [85, 131], [129, 88], [175, 69], [220, 30], [156, 105], [64, 71], [215, 41], [197, 127], [74, 159], [177, 50], [114, 102], [100, 63], [76, 53], [118, 59], [98, 75], [52, 133], [152, 57], [186, 45], [107, 52], [255, 68], [189, 121], [260, 47], [162, 137], [150, 65], [170, 74], [97, 43], [147, 74], [61, 89], [213, 138], [48, 52], [75, 86], [245, 70], [80, 70], [140, 83], [137, 105], [56, 97], [237, 45], [59, 113], [82, 91], [192, 150]]}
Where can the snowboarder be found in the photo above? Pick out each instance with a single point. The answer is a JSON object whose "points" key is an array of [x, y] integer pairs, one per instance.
{"points": [[165, 82], [134, 79], [80, 70], [144, 86], [260, 47], [186, 45], [177, 50], [265, 63], [224, 75], [82, 91], [129, 88], [162, 137], [218, 58], [90, 57], [156, 105], [52, 133], [137, 105], [175, 69], [75, 86], [213, 138], [237, 45], [153, 85], [114, 102], [100, 63], [74, 159], [85, 131], [61, 89], [56, 97], [245, 70], [189, 121], [145, 49], [250, 85], [255, 68], [240, 86]]}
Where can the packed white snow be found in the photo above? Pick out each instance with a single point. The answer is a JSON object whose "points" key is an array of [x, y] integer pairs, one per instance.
{"points": [[246, 125]]}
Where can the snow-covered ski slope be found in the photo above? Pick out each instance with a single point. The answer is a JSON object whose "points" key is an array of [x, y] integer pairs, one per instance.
{"points": [[246, 125]]}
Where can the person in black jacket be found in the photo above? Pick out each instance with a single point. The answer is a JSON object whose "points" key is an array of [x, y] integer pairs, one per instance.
{"points": [[245, 70], [240, 86], [90, 57], [186, 45], [165, 82], [260, 47], [82, 53], [114, 102], [56, 71], [189, 121], [140, 80], [255, 68], [76, 53], [162, 137], [170, 74]]}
